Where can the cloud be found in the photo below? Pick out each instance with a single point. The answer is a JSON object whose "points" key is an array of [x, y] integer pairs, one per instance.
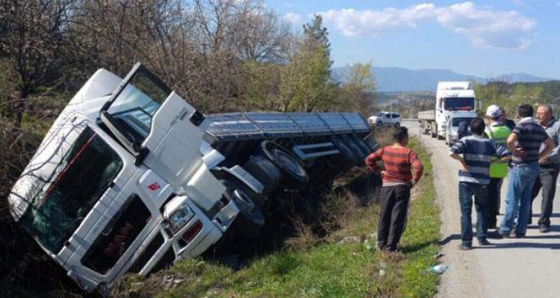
{"points": [[484, 27], [293, 18]]}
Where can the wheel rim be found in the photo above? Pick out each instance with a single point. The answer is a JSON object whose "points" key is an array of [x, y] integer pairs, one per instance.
{"points": [[288, 163], [244, 202]]}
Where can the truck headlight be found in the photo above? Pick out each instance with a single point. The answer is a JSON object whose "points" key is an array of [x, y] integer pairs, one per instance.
{"points": [[178, 219]]}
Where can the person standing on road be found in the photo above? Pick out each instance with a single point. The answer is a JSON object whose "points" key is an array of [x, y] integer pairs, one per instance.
{"points": [[463, 130], [474, 169], [402, 171], [548, 169], [505, 120], [524, 143], [498, 133]]}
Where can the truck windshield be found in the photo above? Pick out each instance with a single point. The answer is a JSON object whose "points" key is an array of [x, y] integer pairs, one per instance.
{"points": [[455, 122], [458, 103], [78, 181]]}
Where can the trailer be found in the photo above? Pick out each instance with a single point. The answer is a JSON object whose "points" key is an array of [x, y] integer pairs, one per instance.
{"points": [[131, 177]]}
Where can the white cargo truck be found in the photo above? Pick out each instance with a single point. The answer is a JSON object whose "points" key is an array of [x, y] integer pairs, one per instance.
{"points": [[450, 98], [131, 177]]}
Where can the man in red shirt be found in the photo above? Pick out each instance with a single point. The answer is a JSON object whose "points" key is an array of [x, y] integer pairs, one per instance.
{"points": [[402, 171]]}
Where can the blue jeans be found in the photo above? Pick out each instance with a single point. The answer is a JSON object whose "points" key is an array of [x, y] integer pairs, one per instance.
{"points": [[466, 192], [518, 198]]}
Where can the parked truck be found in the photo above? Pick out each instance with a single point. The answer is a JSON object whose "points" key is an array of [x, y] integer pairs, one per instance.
{"points": [[131, 177], [450, 98]]}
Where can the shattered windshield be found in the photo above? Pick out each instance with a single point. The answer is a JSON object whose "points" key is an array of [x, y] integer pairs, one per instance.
{"points": [[79, 180], [458, 103]]}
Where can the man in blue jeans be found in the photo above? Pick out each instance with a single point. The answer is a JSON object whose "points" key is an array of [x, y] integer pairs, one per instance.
{"points": [[474, 170], [524, 143]]}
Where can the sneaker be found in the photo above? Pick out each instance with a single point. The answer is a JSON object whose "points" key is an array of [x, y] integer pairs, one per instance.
{"points": [[483, 241], [464, 246], [503, 234], [543, 228]]}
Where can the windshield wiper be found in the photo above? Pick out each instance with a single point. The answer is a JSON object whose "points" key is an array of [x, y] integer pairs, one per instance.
{"points": [[125, 137]]}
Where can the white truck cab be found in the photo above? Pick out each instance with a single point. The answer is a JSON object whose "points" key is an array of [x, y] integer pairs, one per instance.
{"points": [[132, 175], [450, 98]]}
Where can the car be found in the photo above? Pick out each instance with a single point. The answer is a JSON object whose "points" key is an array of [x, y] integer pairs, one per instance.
{"points": [[385, 118]]}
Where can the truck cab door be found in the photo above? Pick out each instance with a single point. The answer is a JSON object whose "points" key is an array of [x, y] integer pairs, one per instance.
{"points": [[155, 124], [174, 140]]}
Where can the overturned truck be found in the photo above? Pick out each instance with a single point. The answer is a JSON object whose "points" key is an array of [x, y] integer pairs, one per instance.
{"points": [[131, 177]]}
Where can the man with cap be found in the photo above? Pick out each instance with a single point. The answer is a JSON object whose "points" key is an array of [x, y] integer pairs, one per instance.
{"points": [[548, 169], [498, 133], [505, 120]]}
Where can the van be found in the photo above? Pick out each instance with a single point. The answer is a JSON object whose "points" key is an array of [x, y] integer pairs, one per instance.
{"points": [[452, 133]]}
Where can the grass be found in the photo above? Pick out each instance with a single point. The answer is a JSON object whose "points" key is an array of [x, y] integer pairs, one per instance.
{"points": [[343, 264]]}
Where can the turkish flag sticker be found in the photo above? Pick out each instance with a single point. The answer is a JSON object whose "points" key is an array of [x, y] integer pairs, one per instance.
{"points": [[154, 186]]}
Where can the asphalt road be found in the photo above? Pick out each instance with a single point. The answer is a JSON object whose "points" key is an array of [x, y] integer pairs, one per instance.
{"points": [[528, 267]]}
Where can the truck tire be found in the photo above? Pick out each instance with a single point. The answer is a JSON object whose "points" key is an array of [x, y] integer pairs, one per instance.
{"points": [[364, 148], [434, 131], [250, 219], [356, 150], [294, 175], [347, 156], [267, 173], [371, 142]]}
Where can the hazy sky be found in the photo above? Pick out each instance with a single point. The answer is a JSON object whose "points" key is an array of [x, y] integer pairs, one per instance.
{"points": [[481, 38]]}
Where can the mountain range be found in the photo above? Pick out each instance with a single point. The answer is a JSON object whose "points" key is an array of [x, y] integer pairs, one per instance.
{"points": [[395, 79]]}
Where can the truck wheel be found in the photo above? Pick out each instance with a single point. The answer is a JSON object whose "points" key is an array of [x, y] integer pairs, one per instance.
{"points": [[434, 131], [345, 152], [250, 219], [379, 123], [355, 149], [364, 148], [266, 172], [397, 124], [295, 174]]}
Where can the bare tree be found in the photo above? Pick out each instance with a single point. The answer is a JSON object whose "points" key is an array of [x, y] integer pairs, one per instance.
{"points": [[33, 39]]}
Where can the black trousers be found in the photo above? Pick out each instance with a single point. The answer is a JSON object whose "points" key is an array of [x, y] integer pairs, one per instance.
{"points": [[494, 200], [547, 181], [392, 217]]}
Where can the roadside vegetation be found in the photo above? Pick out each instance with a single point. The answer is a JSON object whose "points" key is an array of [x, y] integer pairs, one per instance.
{"points": [[340, 261]]}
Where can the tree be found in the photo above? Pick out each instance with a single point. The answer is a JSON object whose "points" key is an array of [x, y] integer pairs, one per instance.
{"points": [[259, 88], [356, 91], [305, 81], [33, 38]]}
